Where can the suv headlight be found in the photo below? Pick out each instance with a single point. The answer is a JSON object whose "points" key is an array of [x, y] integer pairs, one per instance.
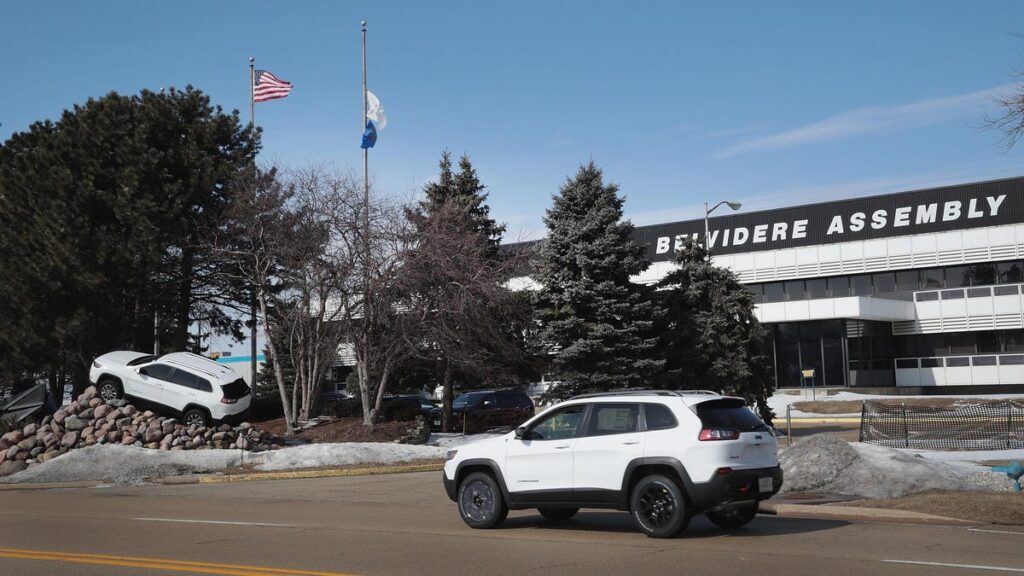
{"points": [[451, 454]]}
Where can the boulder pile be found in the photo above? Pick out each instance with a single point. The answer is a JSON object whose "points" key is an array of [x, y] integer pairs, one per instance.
{"points": [[89, 420]]}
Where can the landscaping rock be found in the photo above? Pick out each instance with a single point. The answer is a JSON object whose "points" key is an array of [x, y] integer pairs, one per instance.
{"points": [[13, 437], [30, 430], [69, 440], [102, 411], [73, 423], [11, 467], [12, 452]]}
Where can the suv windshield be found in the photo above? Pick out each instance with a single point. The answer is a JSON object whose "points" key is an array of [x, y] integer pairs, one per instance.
{"points": [[469, 399], [729, 413]]}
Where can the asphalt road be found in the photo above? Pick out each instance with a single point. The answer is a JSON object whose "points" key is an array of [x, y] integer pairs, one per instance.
{"points": [[404, 524]]}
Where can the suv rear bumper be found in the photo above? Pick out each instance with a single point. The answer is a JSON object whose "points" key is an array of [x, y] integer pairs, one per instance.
{"points": [[735, 488]]}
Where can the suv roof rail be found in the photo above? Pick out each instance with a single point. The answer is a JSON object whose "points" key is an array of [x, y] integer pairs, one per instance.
{"points": [[634, 392]]}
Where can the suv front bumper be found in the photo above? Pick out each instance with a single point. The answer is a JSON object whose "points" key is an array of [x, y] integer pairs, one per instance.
{"points": [[735, 488]]}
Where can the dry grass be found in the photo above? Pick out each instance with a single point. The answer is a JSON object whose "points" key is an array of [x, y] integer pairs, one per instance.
{"points": [[1006, 508], [343, 430], [854, 406]]}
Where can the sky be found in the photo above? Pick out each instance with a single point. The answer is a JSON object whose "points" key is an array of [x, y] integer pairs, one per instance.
{"points": [[768, 103]]}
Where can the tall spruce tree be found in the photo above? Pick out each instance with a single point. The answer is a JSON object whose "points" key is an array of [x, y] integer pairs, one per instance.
{"points": [[456, 275], [597, 322], [711, 338]]}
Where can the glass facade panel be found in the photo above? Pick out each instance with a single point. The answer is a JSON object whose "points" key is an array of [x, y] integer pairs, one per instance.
{"points": [[839, 286], [958, 276], [906, 363], [817, 288], [885, 283], [926, 296], [931, 278], [860, 285], [1010, 272], [794, 290], [773, 292], [984, 360], [983, 274], [1006, 290]]}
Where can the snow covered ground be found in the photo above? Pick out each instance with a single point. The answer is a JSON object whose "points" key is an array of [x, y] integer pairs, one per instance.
{"points": [[780, 400]]}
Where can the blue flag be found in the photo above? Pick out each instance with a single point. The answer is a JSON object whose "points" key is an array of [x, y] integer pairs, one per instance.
{"points": [[369, 135]]}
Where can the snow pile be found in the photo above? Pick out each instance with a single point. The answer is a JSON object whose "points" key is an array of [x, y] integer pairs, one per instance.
{"points": [[454, 440], [344, 454], [827, 464], [131, 465], [127, 464]]}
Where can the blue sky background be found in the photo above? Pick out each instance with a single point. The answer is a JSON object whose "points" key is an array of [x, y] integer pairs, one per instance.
{"points": [[771, 103]]}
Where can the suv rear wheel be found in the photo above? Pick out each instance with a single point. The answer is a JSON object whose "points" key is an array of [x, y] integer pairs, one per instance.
{"points": [[109, 390], [659, 507], [195, 417], [558, 514], [480, 502], [733, 517]]}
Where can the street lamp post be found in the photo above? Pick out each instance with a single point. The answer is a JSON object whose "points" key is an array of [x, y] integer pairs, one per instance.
{"points": [[707, 229]]}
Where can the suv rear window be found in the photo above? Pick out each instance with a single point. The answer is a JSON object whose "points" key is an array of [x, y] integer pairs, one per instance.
{"points": [[235, 390], [729, 413]]}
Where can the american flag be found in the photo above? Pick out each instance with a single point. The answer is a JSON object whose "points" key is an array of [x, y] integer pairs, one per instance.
{"points": [[266, 86]]}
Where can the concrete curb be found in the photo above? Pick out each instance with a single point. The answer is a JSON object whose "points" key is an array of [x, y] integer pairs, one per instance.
{"points": [[50, 485], [329, 473], [830, 512]]}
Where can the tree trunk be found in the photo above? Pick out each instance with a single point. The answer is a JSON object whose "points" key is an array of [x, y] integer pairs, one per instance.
{"points": [[272, 349], [184, 303], [446, 398], [364, 390]]}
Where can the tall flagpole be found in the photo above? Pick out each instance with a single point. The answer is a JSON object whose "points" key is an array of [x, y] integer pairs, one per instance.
{"points": [[366, 208], [253, 349]]}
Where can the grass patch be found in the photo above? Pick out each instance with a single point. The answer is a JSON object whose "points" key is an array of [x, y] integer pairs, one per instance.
{"points": [[1005, 508]]}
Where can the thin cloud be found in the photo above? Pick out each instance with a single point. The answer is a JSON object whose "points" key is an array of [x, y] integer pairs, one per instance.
{"points": [[873, 119]]}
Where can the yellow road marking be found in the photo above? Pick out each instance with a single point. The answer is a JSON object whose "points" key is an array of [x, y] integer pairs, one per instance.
{"points": [[157, 563]]}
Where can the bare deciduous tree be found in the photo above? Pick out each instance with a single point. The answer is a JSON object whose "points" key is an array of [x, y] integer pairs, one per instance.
{"points": [[465, 316]]}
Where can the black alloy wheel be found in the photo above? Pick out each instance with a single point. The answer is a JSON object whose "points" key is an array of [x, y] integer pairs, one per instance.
{"points": [[480, 502], [659, 507]]}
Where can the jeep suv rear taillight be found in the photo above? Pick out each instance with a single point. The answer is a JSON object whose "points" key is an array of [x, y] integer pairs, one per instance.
{"points": [[228, 400], [718, 434]]}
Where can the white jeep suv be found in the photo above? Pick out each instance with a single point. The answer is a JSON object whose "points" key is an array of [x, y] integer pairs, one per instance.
{"points": [[198, 389], [663, 456]]}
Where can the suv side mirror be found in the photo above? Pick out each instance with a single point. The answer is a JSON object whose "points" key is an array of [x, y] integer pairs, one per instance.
{"points": [[522, 433], [141, 371]]}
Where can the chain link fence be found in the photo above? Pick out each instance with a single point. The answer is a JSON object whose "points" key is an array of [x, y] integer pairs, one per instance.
{"points": [[997, 425]]}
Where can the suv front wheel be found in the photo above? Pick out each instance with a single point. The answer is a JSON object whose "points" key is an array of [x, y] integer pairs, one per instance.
{"points": [[659, 507], [480, 502]]}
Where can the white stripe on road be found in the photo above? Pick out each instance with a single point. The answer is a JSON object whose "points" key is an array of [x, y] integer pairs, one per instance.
{"points": [[945, 565], [996, 531], [184, 521]]}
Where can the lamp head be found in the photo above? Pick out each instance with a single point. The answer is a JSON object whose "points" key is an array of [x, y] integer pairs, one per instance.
{"points": [[734, 205]]}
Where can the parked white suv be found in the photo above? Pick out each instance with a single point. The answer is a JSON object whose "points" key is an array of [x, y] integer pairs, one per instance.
{"points": [[198, 389], [662, 456]]}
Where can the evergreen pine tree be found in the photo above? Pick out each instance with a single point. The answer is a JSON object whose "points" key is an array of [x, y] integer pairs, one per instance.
{"points": [[711, 338], [596, 321], [467, 193]]}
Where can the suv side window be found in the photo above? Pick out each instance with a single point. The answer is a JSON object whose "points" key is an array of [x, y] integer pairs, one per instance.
{"points": [[189, 380], [562, 424], [613, 419], [659, 417], [506, 400], [159, 371]]}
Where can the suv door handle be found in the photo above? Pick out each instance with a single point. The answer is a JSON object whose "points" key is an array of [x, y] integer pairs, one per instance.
{"points": [[631, 442], [562, 447]]}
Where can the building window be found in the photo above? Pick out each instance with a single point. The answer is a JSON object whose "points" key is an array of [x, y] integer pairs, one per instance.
{"points": [[958, 276], [983, 274], [817, 288], [926, 296], [839, 286], [931, 279], [906, 363], [984, 360], [931, 362], [1010, 272], [1011, 290], [861, 285], [885, 283], [794, 290], [952, 294], [774, 292], [959, 362]]}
